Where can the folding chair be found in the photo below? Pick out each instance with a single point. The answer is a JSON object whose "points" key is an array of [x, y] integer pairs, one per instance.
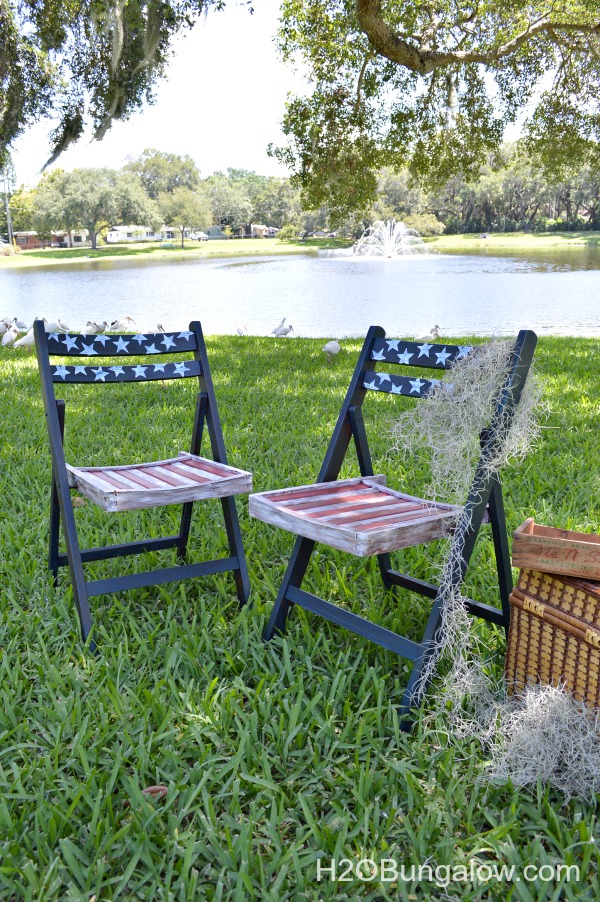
{"points": [[364, 517], [179, 480]]}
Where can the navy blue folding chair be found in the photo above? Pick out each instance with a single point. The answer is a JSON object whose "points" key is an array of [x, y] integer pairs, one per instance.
{"points": [[365, 517], [183, 480]]}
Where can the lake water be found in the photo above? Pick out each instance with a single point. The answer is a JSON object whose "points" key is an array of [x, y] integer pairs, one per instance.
{"points": [[322, 295]]}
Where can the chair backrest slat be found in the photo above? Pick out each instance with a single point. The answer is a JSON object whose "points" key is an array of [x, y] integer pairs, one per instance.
{"points": [[68, 344], [141, 372], [398, 385], [415, 353], [100, 346]]}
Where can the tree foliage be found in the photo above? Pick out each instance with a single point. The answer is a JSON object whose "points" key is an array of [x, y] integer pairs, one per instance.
{"points": [[510, 194], [89, 62], [92, 199], [229, 198], [432, 86], [163, 173], [183, 209]]}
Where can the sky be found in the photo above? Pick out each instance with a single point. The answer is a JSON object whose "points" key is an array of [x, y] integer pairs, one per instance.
{"points": [[221, 103]]}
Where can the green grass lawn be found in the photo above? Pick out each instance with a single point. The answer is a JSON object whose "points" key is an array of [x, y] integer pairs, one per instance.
{"points": [[514, 242], [173, 249], [502, 243], [275, 755]]}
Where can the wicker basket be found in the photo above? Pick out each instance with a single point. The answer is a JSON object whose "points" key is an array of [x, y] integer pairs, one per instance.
{"points": [[554, 635]]}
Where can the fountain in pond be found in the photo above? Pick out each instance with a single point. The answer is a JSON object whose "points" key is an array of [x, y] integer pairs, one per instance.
{"points": [[389, 239]]}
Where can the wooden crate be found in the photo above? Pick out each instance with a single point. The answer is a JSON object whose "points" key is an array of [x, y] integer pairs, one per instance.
{"points": [[556, 550], [554, 635], [358, 515]]}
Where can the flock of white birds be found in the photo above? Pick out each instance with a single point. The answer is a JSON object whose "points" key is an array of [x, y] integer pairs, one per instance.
{"points": [[15, 333]]}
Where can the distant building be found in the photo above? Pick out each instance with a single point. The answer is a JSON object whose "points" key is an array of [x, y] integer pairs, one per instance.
{"points": [[30, 240], [128, 234], [215, 231], [131, 233]]}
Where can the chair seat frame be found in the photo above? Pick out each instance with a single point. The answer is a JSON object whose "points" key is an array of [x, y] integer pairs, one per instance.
{"points": [[61, 504], [484, 502]]}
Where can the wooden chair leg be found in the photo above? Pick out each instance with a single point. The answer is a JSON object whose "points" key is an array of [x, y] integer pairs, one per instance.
{"points": [[385, 566], [80, 593], [502, 551], [236, 547], [54, 533], [186, 513], [184, 529], [417, 685], [294, 575], [54, 504], [80, 597]]}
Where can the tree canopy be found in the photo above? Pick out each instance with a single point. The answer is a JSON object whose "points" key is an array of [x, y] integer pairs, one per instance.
{"points": [[183, 209], [93, 199], [88, 62], [433, 85], [163, 173]]}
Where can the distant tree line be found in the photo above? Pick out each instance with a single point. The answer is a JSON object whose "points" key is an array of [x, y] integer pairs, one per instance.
{"points": [[158, 188]]}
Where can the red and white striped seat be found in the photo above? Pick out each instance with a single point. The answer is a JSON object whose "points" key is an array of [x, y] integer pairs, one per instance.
{"points": [[173, 481], [361, 515]]}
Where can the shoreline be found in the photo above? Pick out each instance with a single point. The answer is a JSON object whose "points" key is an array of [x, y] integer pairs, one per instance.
{"points": [[502, 242]]}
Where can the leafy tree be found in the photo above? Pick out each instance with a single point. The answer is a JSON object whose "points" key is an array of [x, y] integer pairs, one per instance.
{"points": [[277, 203], [587, 188], [229, 200], [22, 204], [49, 209], [7, 184], [183, 209], [89, 62], [162, 173], [239, 197], [432, 85], [93, 199], [397, 195]]}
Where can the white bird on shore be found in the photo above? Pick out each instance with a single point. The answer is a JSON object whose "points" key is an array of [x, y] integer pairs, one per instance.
{"points": [[55, 326], [277, 328], [284, 330], [331, 349], [122, 324], [91, 328], [26, 341], [20, 325], [242, 329], [9, 337], [431, 336]]}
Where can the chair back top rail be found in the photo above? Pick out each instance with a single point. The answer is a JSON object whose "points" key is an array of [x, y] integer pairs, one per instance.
{"points": [[70, 344], [415, 353]]}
